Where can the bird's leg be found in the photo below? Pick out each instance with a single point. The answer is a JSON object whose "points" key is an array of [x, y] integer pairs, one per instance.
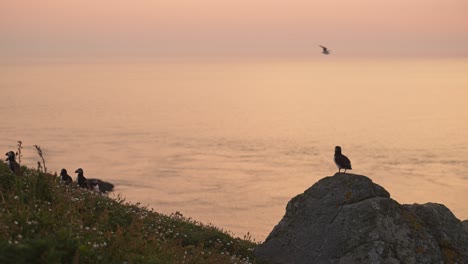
{"points": [[344, 170], [339, 170]]}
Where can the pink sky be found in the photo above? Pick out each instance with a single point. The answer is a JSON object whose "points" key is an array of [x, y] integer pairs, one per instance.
{"points": [[232, 27]]}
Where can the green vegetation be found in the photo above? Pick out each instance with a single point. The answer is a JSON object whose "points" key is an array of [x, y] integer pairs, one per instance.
{"points": [[45, 221]]}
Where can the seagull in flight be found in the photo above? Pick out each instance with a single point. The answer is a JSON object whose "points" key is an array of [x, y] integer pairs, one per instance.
{"points": [[325, 51]]}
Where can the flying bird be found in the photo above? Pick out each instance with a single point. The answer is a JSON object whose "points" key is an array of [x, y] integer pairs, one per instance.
{"points": [[65, 177], [325, 50], [93, 184], [12, 164], [341, 161]]}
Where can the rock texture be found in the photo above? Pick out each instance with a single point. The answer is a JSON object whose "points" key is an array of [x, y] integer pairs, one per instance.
{"points": [[347, 219]]}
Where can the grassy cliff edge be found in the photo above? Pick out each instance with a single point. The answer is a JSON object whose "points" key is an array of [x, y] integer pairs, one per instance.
{"points": [[45, 221]]}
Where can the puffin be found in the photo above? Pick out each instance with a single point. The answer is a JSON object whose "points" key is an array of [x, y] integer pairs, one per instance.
{"points": [[93, 184], [12, 164], [65, 177], [341, 161]]}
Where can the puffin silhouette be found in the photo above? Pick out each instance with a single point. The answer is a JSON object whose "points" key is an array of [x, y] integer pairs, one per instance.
{"points": [[341, 161], [12, 164], [325, 50], [64, 177], [93, 184]]}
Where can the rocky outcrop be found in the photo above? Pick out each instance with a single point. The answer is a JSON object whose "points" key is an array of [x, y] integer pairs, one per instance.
{"points": [[347, 218], [465, 225], [445, 228]]}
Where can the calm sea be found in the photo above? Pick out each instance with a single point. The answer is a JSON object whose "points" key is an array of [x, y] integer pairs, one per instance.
{"points": [[230, 142]]}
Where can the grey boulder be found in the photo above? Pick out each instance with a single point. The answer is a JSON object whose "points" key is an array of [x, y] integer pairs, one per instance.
{"points": [[346, 218]]}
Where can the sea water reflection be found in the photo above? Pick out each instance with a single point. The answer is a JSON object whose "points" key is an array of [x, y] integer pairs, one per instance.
{"points": [[231, 142]]}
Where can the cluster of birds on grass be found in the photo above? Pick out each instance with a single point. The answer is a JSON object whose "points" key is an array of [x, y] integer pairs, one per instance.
{"points": [[92, 184]]}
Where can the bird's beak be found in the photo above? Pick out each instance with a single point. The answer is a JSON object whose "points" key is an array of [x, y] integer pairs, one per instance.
{"points": [[76, 171]]}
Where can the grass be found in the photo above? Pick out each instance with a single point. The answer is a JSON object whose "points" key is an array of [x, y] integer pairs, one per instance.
{"points": [[45, 221]]}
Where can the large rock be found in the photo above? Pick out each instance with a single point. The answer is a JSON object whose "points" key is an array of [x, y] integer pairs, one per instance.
{"points": [[445, 228], [348, 219], [465, 225]]}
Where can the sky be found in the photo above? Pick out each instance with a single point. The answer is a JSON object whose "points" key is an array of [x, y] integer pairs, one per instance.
{"points": [[175, 28]]}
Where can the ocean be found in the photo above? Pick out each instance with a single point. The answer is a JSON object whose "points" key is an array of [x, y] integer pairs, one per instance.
{"points": [[231, 141]]}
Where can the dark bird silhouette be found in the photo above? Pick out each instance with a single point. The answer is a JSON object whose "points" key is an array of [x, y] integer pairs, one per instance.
{"points": [[93, 184], [341, 161], [325, 50], [65, 177], [12, 164]]}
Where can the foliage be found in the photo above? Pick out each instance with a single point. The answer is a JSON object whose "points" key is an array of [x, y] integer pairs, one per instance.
{"points": [[45, 221]]}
